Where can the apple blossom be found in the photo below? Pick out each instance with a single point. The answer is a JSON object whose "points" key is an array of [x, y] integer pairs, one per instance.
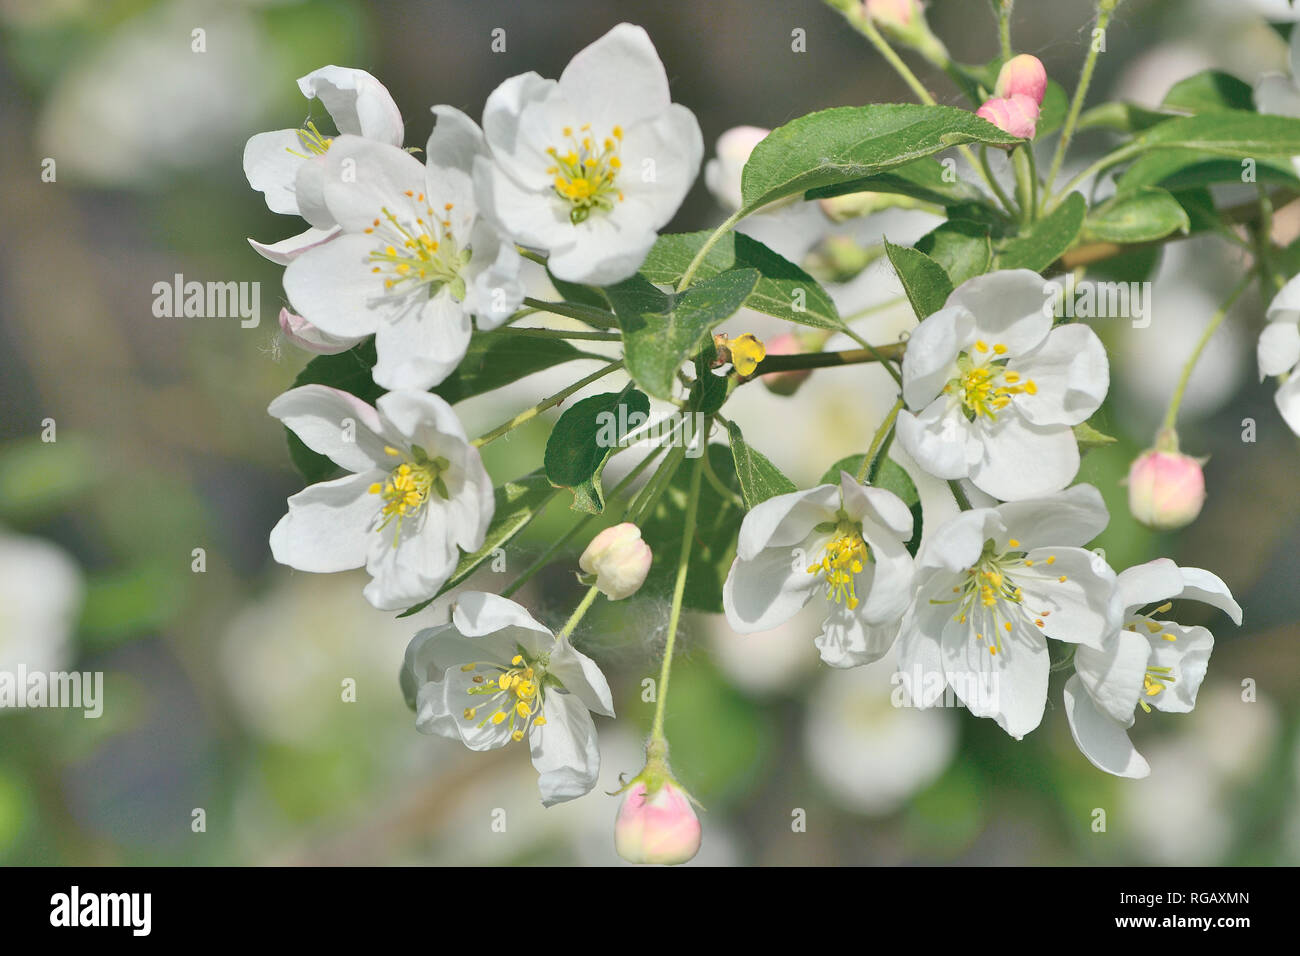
{"points": [[1166, 489], [992, 585], [287, 165], [415, 261], [1022, 75], [656, 824], [1279, 350], [493, 675], [589, 167], [994, 391], [417, 491], [1145, 663], [306, 336], [846, 541], [1016, 114]]}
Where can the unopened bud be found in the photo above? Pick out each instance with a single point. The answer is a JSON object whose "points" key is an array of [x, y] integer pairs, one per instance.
{"points": [[656, 826], [893, 13], [1166, 489], [306, 336], [1017, 115], [1023, 75], [618, 560]]}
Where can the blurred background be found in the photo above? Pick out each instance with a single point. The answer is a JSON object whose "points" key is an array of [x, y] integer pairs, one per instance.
{"points": [[128, 441]]}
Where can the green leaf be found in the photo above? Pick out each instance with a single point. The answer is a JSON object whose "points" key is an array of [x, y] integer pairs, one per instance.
{"points": [[964, 249], [926, 283], [1048, 239], [663, 330], [890, 476], [925, 179], [581, 294], [783, 290], [759, 478], [585, 438], [1235, 133], [1209, 90], [848, 143], [1189, 168], [1121, 118], [517, 503], [1142, 215], [716, 529]]}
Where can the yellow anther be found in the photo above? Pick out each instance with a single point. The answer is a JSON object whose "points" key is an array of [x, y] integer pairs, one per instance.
{"points": [[499, 716], [746, 352], [1013, 543]]}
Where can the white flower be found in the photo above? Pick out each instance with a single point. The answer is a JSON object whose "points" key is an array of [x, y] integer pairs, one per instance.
{"points": [[846, 540], [288, 165], [589, 167], [994, 390], [417, 490], [1279, 349], [1145, 663], [493, 675], [992, 585], [415, 261], [306, 336], [40, 595]]}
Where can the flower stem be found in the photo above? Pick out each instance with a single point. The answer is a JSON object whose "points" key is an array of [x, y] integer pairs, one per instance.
{"points": [[575, 310], [649, 496], [1107, 161], [1003, 8], [530, 413], [1104, 10], [1171, 414], [877, 441], [578, 613], [962, 501], [564, 334], [679, 591], [1026, 183], [800, 361], [992, 180]]}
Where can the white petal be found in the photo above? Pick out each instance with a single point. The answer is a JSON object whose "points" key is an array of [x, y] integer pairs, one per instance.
{"points": [[1187, 656], [357, 102], [564, 749], [847, 640], [320, 416], [957, 543], [931, 354], [938, 439], [920, 657], [526, 213], [1276, 95], [1208, 588], [1278, 350], [420, 349], [478, 614], [286, 250], [306, 336], [1021, 460], [766, 591], [1072, 517], [581, 677], [1071, 373], [1103, 741], [878, 505], [886, 585], [1287, 399], [327, 527], [1010, 308], [661, 160], [1149, 583], [309, 189], [1113, 675], [271, 168], [618, 79], [1077, 610], [333, 288], [494, 288], [606, 248], [1285, 306], [362, 178], [409, 566], [1010, 685], [525, 162], [455, 141], [785, 521]]}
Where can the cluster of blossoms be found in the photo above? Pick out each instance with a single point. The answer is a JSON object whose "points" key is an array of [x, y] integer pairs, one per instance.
{"points": [[580, 174]]}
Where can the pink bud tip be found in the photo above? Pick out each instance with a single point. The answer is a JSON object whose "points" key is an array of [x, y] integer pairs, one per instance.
{"points": [[1023, 75], [1166, 490], [656, 828], [619, 559], [784, 383], [1017, 115], [897, 13]]}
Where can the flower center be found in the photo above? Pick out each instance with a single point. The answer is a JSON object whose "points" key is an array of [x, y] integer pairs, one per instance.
{"points": [[989, 589], [313, 141], [423, 254], [513, 694], [407, 488], [584, 174], [984, 383], [843, 559], [1156, 678]]}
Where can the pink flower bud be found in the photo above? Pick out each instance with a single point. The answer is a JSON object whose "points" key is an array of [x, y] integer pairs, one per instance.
{"points": [[1165, 489], [658, 827], [894, 13], [1017, 115], [306, 336], [619, 559], [1024, 75], [784, 383]]}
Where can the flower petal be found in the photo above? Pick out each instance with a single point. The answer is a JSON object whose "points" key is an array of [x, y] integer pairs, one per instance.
{"points": [[422, 347], [847, 640], [1208, 588], [618, 80], [1113, 675], [1187, 656], [357, 102], [581, 677], [286, 250], [931, 354], [1009, 685], [1278, 350], [319, 415], [1072, 517], [271, 164], [327, 527], [1103, 741], [939, 439], [785, 521], [1010, 308], [1079, 609], [1071, 375], [1020, 460], [766, 591], [564, 749]]}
